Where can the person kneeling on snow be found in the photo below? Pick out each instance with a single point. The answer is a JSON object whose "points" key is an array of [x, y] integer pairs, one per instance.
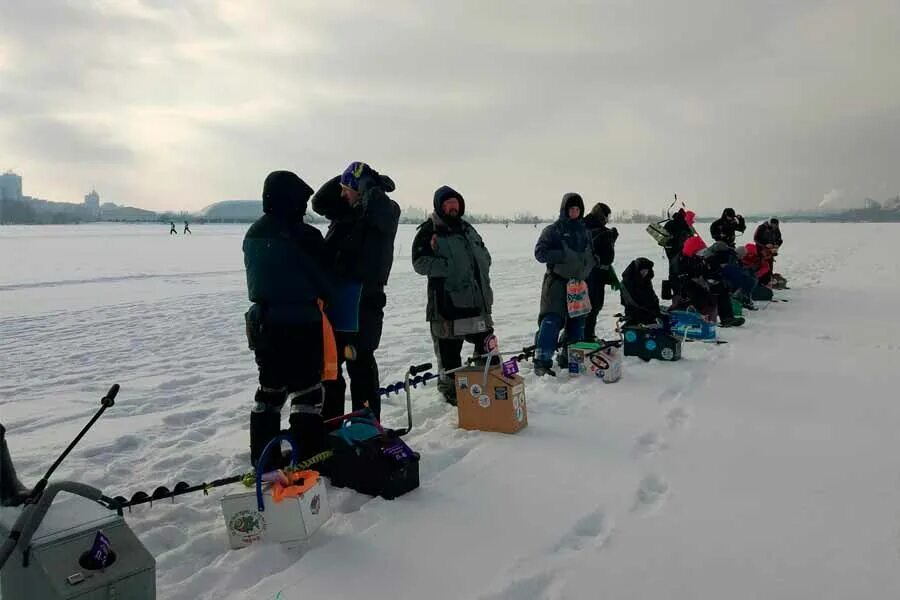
{"points": [[723, 261], [449, 251], [756, 261], [565, 247], [768, 238], [701, 286], [284, 259], [637, 294]]}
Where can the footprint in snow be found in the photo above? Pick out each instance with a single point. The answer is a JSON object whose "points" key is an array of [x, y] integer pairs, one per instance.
{"points": [[589, 532], [651, 493], [649, 443], [678, 418], [541, 586]]}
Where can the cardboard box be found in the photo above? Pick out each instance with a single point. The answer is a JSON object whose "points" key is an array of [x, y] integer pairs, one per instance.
{"points": [[497, 404], [292, 520]]}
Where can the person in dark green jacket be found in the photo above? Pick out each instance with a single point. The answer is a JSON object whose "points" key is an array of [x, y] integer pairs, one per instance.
{"points": [[448, 250], [287, 274]]}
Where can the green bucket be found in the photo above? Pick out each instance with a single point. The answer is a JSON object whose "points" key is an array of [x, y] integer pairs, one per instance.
{"points": [[737, 307]]}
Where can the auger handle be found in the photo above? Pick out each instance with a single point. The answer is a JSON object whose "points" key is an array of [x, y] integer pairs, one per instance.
{"points": [[110, 398], [416, 369]]}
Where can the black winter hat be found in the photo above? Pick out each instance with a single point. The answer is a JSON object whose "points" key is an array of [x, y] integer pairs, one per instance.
{"points": [[284, 193], [728, 213], [601, 210]]}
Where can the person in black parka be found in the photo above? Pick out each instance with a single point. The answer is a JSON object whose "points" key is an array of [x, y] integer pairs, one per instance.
{"points": [[360, 241], [681, 228], [603, 242], [287, 275], [724, 229]]}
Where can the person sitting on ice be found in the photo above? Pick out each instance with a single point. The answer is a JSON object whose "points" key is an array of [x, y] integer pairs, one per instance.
{"points": [[637, 294], [768, 237], [448, 250], [287, 275], [756, 261], [701, 287], [565, 247], [723, 260]]}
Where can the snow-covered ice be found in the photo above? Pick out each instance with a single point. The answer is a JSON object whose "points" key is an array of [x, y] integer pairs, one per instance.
{"points": [[764, 468]]}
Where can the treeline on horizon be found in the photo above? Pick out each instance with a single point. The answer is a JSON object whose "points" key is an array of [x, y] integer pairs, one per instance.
{"points": [[19, 212]]}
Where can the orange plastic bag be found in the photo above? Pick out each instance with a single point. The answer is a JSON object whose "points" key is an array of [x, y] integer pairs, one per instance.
{"points": [[329, 348], [300, 483]]}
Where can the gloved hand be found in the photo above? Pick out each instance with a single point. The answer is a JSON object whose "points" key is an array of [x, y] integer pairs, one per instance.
{"points": [[615, 284], [613, 234], [370, 178]]}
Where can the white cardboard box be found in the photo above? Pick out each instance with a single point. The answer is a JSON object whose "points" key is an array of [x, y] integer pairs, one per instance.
{"points": [[291, 520]]}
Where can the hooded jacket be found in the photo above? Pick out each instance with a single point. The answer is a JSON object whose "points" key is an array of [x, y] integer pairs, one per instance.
{"points": [[680, 227], [360, 238], [767, 234], [458, 270], [754, 260], [565, 247], [285, 259], [723, 230], [603, 238], [637, 294]]}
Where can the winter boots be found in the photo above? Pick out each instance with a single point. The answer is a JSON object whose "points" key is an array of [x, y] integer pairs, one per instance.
{"points": [[309, 433], [264, 427], [543, 367], [731, 321], [447, 388]]}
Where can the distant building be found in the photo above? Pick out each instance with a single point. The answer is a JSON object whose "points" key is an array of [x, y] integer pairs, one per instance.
{"points": [[233, 210], [92, 205], [10, 186]]}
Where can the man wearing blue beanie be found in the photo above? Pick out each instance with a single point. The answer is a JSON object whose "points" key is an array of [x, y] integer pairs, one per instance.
{"points": [[360, 239]]}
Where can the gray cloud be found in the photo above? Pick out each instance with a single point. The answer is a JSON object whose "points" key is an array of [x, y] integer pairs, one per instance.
{"points": [[763, 106]]}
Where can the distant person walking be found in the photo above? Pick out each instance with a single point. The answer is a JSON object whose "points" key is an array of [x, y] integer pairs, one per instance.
{"points": [[187, 229], [173, 230]]}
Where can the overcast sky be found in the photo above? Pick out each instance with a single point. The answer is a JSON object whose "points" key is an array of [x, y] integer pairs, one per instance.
{"points": [[175, 104]]}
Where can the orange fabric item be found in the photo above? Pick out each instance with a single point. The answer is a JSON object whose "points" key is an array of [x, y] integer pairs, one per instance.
{"points": [[301, 482], [329, 348]]}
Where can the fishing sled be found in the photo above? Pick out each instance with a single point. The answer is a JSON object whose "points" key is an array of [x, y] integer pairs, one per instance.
{"points": [[648, 343], [371, 459], [690, 325]]}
